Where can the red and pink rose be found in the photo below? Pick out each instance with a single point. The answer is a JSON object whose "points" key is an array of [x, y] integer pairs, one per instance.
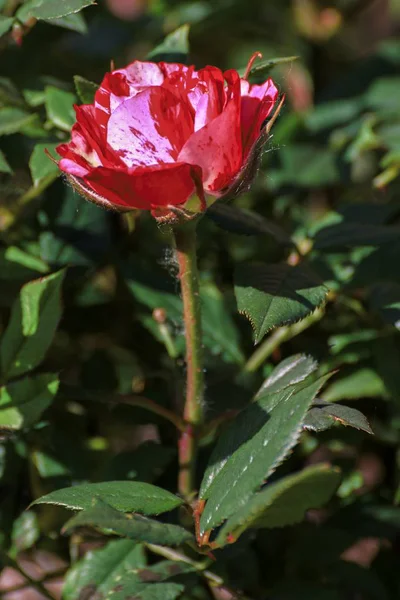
{"points": [[159, 133]]}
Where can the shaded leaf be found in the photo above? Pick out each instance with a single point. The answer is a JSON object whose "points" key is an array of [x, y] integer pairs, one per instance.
{"points": [[241, 221], [128, 496], [284, 502], [363, 383], [76, 232], [120, 569], [384, 299], [25, 531], [351, 235], [5, 24], [54, 9], [85, 89], [324, 415], [13, 120], [4, 166], [146, 463], [276, 294], [74, 22], [103, 569], [220, 333], [174, 48], [34, 319], [22, 402], [253, 446], [59, 107], [136, 527]]}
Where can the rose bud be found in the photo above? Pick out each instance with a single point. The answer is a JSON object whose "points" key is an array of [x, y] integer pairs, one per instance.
{"points": [[167, 138]]}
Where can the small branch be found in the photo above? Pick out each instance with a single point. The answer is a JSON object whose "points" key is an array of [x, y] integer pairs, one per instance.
{"points": [[131, 400], [283, 334], [215, 581], [185, 247], [153, 407]]}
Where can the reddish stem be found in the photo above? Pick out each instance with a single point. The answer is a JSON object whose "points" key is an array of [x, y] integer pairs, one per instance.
{"points": [[185, 244]]}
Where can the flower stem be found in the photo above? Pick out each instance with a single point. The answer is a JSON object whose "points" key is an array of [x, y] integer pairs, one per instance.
{"points": [[185, 247]]}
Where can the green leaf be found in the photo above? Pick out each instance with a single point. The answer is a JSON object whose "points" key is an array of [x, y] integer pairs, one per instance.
{"points": [[5, 24], [59, 107], [14, 257], [23, 401], [276, 294], [362, 383], [54, 9], [351, 235], [241, 429], [128, 496], [34, 319], [73, 22], [100, 571], [174, 48], [135, 527], [119, 571], [25, 531], [290, 371], [324, 415], [219, 331], [4, 166], [253, 446], [41, 166], [264, 67], [306, 165], [154, 591], [382, 95], [34, 97], [284, 502], [245, 222], [85, 89], [13, 120], [331, 114], [76, 232]]}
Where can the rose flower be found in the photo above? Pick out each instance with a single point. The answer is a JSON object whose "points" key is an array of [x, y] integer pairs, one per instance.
{"points": [[159, 134]]}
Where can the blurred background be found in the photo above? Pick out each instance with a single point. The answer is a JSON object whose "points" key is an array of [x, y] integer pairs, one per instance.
{"points": [[329, 179]]}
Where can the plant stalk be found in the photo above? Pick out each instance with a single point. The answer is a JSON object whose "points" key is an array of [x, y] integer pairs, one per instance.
{"points": [[185, 248]]}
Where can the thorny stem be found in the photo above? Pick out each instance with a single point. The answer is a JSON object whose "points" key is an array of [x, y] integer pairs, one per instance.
{"points": [[283, 334], [134, 400], [185, 248]]}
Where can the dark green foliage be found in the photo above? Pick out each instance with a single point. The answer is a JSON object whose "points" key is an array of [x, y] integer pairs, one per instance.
{"points": [[297, 468]]}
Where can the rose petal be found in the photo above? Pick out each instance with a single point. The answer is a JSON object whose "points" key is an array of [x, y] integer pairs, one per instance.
{"points": [[145, 187], [217, 147], [209, 103], [149, 128], [257, 103], [126, 83]]}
